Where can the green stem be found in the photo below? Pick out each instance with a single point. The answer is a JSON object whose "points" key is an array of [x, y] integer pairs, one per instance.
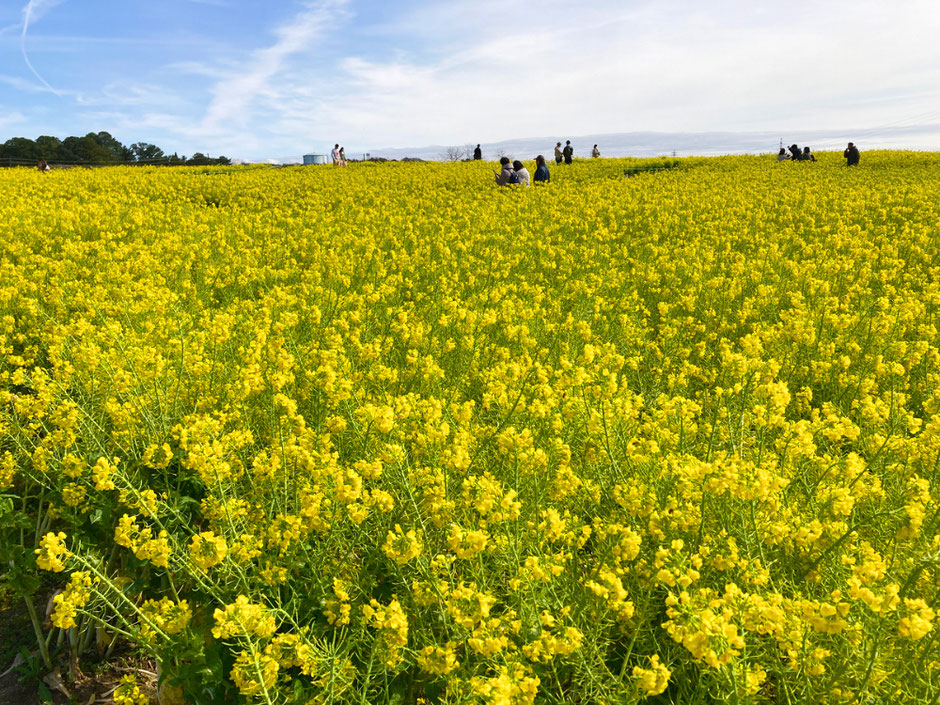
{"points": [[37, 628]]}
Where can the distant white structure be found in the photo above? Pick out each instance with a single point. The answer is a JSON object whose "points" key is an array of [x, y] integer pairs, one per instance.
{"points": [[316, 159]]}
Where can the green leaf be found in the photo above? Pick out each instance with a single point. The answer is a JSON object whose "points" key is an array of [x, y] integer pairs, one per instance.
{"points": [[22, 582], [45, 695]]}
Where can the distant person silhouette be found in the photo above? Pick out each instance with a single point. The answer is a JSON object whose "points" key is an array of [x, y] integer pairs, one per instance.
{"points": [[595, 153], [568, 152], [559, 154], [851, 155], [478, 153]]}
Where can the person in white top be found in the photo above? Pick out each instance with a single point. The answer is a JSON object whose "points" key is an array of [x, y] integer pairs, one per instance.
{"points": [[335, 155], [521, 172]]}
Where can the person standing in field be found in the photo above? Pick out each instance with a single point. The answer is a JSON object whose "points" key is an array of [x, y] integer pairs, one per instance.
{"points": [[335, 154], [558, 153], [541, 170], [595, 153], [851, 155], [342, 156], [477, 153], [568, 152]]}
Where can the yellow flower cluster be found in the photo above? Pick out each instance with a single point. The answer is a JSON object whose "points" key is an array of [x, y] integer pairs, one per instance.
{"points": [[206, 549], [243, 618], [71, 599], [129, 693], [253, 673], [512, 686], [401, 546], [165, 615], [653, 680], [438, 661], [52, 552], [130, 534], [392, 624]]}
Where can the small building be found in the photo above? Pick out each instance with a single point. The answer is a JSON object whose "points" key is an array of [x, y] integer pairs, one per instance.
{"points": [[316, 159]]}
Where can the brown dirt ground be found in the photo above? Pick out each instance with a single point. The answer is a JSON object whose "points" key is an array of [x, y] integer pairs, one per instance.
{"points": [[95, 685]]}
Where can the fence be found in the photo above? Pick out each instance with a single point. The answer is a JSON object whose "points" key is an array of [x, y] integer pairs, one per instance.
{"points": [[8, 162]]}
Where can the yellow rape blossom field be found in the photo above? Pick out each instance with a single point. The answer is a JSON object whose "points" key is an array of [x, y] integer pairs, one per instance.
{"points": [[393, 434]]}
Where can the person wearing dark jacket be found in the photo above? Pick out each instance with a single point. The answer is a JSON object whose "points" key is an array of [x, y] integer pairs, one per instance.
{"points": [[808, 156], [478, 153], [851, 155], [541, 171], [568, 152], [796, 154]]}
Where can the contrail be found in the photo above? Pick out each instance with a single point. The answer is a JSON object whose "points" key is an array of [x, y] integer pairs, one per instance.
{"points": [[31, 7]]}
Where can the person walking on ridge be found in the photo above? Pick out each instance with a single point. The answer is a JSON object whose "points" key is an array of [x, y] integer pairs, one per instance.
{"points": [[477, 153]]}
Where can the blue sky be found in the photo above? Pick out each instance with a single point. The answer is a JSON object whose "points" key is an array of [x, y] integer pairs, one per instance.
{"points": [[260, 80]]}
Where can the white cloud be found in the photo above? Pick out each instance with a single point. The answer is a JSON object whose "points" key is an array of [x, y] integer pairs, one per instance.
{"points": [[11, 118], [21, 84], [235, 95], [434, 72], [34, 10], [657, 66]]}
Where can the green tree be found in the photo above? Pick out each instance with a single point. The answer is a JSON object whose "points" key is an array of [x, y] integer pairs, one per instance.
{"points": [[49, 147], [116, 150], [86, 150], [146, 152], [20, 149]]}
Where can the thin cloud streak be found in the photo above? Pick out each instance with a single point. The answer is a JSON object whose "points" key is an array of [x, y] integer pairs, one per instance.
{"points": [[33, 11], [234, 95]]}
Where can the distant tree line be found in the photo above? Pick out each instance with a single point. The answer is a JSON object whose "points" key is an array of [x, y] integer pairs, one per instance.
{"points": [[94, 149]]}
